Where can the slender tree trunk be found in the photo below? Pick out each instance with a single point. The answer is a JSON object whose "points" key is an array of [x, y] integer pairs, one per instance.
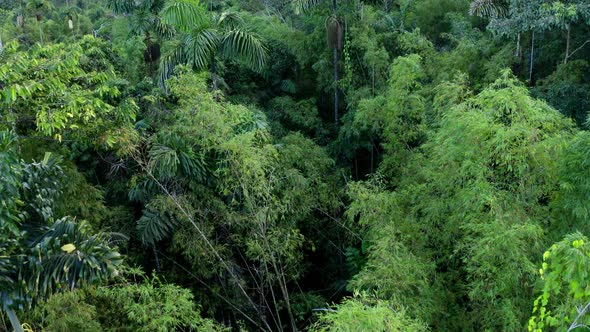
{"points": [[567, 43], [40, 32], [517, 53], [16, 325], [150, 58], [335, 59], [532, 58], [156, 258], [373, 81], [214, 80], [372, 156], [335, 87]]}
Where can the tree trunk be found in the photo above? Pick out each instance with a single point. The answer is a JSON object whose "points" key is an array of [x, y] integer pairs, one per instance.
{"points": [[567, 43], [373, 81], [335, 87], [156, 258], [16, 325], [214, 80], [40, 32], [335, 59], [517, 53], [532, 58]]}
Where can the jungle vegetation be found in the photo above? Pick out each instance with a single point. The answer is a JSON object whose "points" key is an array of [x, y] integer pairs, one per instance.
{"points": [[294, 165]]}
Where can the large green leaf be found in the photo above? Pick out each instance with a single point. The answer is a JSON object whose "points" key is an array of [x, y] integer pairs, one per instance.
{"points": [[184, 15], [246, 47]]}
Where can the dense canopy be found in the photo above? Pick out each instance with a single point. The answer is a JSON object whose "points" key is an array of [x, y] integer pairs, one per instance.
{"points": [[294, 165]]}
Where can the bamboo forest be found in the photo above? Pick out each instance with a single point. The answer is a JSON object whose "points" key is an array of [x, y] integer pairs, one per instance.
{"points": [[294, 165]]}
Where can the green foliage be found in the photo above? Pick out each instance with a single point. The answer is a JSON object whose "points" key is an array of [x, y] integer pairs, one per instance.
{"points": [[567, 90], [44, 254], [436, 191], [160, 217], [363, 313], [60, 89], [398, 116], [66, 312], [148, 306], [392, 270], [476, 203], [562, 304], [571, 201], [203, 38]]}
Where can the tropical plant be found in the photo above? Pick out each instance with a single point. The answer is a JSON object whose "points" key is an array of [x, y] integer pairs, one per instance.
{"points": [[45, 255], [363, 313], [205, 37], [39, 8], [565, 297], [335, 34], [56, 92]]}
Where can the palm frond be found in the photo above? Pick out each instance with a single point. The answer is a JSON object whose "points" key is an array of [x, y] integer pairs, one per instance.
{"points": [[142, 21], [246, 47], [143, 189], [302, 6], [121, 6], [173, 57], [88, 258], [230, 20], [195, 48], [184, 15], [488, 8], [163, 161], [200, 46], [164, 30], [175, 157], [160, 217], [154, 226], [288, 86]]}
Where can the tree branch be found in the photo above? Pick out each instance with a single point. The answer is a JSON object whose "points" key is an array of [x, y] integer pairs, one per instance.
{"points": [[577, 49]]}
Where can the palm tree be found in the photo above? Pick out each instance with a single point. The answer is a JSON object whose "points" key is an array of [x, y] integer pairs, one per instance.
{"points": [[197, 36], [202, 38], [489, 8], [144, 21], [38, 7], [39, 256], [334, 32], [69, 14]]}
